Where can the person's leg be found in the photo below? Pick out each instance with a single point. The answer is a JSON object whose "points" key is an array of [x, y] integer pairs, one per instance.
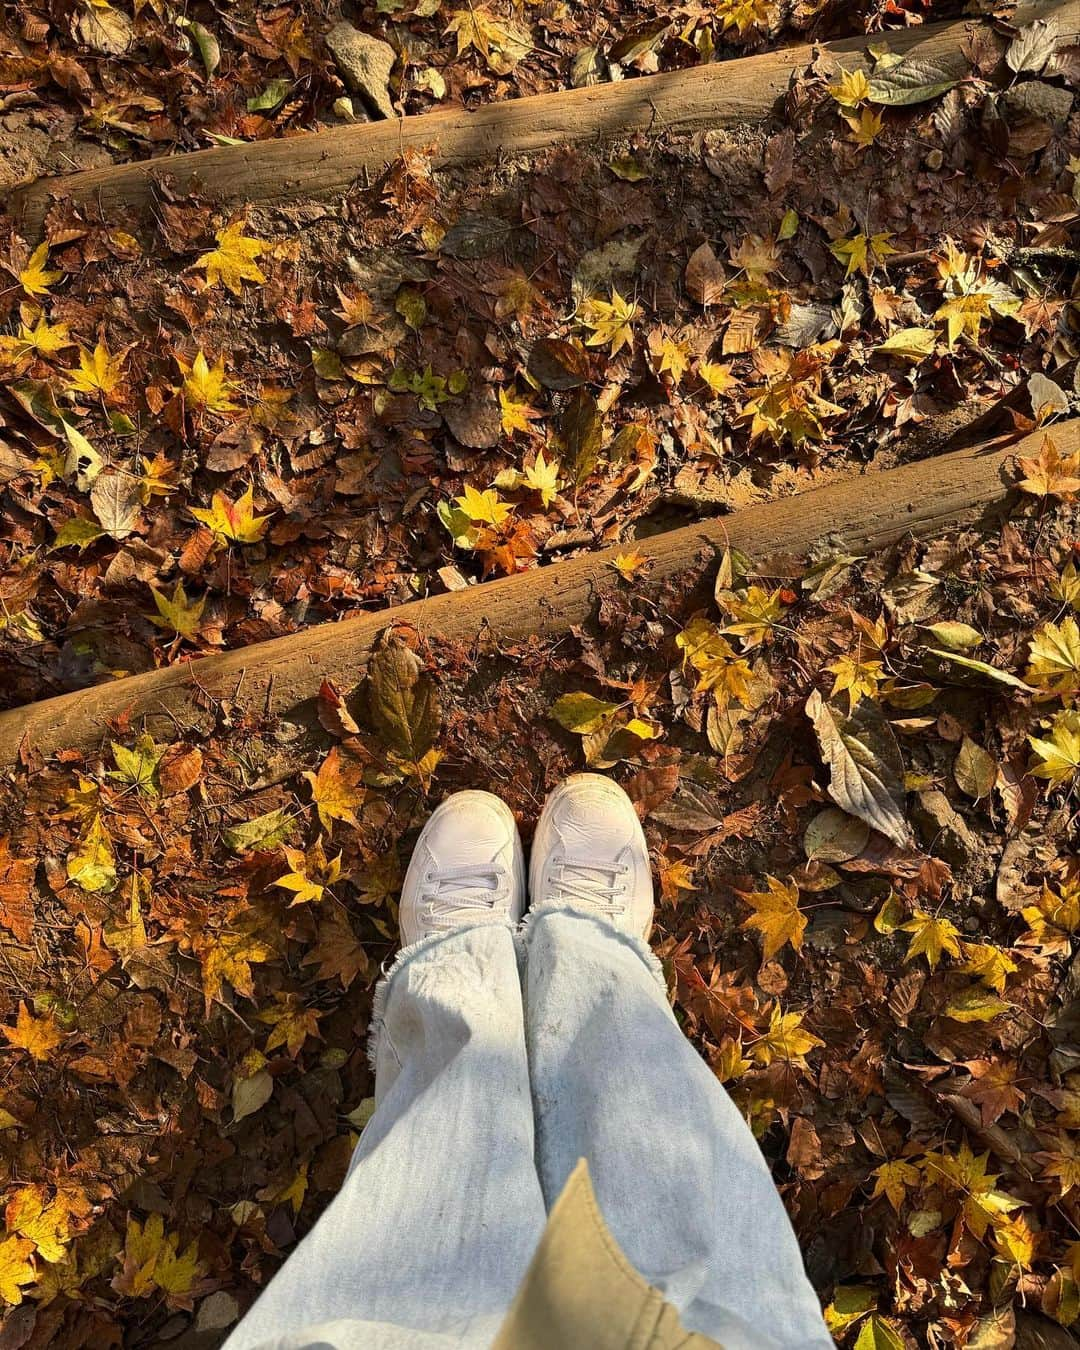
{"points": [[441, 1210], [678, 1175]]}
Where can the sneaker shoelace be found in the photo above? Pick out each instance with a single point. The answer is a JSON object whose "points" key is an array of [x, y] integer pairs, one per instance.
{"points": [[450, 891], [590, 882]]}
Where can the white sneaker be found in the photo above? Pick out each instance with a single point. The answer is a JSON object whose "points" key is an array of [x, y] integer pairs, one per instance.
{"points": [[590, 850], [468, 868]]}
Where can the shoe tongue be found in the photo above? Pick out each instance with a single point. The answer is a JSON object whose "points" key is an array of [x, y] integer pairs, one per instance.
{"points": [[586, 834]]}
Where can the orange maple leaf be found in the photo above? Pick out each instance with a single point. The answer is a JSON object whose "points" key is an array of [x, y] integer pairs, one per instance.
{"points": [[38, 1036], [1050, 473]]}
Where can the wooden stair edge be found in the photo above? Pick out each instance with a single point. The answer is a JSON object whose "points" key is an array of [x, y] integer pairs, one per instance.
{"points": [[316, 163], [281, 675]]}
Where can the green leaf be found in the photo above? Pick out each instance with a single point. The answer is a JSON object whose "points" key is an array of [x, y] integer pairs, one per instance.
{"points": [[403, 700], [79, 530], [877, 1333], [139, 765], [204, 44], [412, 307], [849, 1303], [912, 344], [272, 97], [463, 532], [327, 364], [981, 668], [582, 713], [263, 832], [975, 1004], [956, 637]]}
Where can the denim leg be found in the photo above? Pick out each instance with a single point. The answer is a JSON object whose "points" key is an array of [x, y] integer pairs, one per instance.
{"points": [[679, 1177], [441, 1211]]}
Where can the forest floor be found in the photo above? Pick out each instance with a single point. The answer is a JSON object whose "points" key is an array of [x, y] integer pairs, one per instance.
{"points": [[220, 427]]}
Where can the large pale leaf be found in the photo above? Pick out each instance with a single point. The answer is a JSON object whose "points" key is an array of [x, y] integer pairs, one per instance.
{"points": [[867, 774], [917, 79]]}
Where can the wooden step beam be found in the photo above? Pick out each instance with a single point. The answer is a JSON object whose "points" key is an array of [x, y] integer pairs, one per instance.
{"points": [[281, 676], [318, 163]]}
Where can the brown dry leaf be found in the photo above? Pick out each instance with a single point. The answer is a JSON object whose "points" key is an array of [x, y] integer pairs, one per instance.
{"points": [[16, 901], [705, 276]]}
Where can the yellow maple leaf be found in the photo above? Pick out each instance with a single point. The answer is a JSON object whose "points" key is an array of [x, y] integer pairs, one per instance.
{"points": [[35, 278], [38, 1036], [501, 42], [47, 1223], [233, 521], [743, 15], [295, 1191], [851, 88], [966, 1172], [675, 876], [99, 371], [863, 252], [857, 675], [776, 915], [542, 476], [866, 126], [483, 508], [786, 1039], [720, 668], [629, 564], [228, 957], [35, 335], [16, 1268], [1015, 1241], [91, 864], [233, 261], [729, 1062], [757, 255], [516, 413], [311, 873], [669, 356], [205, 386], [1054, 658], [335, 789], [756, 613], [1050, 473], [1054, 917], [1059, 753], [1066, 587], [892, 1180], [990, 963], [964, 314], [153, 1260], [138, 765], [181, 615], [718, 376], [292, 1023], [932, 937], [609, 321]]}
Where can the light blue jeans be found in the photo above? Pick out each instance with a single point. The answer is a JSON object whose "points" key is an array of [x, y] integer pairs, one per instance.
{"points": [[501, 1059]]}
